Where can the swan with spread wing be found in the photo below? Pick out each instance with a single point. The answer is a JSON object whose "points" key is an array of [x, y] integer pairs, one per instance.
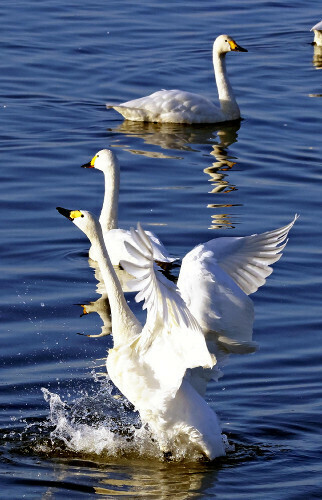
{"points": [[215, 281], [163, 368], [148, 363]]}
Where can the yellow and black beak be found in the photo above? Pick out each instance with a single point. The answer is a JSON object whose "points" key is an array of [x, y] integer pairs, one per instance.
{"points": [[235, 47], [69, 214], [90, 164]]}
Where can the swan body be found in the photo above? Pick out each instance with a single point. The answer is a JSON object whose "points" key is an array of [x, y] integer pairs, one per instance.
{"points": [[317, 29], [106, 161], [148, 363], [177, 106], [215, 281]]}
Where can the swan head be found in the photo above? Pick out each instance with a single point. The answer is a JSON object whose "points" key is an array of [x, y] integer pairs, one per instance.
{"points": [[225, 43], [104, 160], [84, 220]]}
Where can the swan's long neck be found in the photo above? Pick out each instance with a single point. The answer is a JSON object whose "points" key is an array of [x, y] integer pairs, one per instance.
{"points": [[228, 103], [125, 326], [109, 213]]}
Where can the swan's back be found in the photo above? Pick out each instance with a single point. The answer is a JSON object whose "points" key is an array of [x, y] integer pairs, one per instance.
{"points": [[171, 106]]}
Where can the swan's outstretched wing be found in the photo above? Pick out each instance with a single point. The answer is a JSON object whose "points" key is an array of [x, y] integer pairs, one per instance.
{"points": [[216, 278], [247, 259], [171, 340]]}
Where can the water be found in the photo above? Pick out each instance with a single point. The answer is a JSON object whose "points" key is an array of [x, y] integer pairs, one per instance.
{"points": [[60, 63]]}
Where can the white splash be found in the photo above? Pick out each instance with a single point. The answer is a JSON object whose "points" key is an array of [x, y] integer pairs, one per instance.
{"points": [[106, 426], [119, 433]]}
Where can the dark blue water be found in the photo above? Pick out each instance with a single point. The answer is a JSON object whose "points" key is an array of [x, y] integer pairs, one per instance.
{"points": [[61, 62]]}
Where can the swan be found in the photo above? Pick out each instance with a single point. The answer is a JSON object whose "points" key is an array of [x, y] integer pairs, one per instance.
{"points": [[106, 161], [215, 281], [148, 363], [317, 29], [177, 106]]}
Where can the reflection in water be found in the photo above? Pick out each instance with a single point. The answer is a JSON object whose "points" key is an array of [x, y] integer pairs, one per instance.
{"points": [[317, 56], [134, 479], [218, 177], [102, 306], [187, 138], [173, 136], [176, 481]]}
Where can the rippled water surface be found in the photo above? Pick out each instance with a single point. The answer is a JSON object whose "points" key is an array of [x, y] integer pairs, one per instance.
{"points": [[64, 429]]}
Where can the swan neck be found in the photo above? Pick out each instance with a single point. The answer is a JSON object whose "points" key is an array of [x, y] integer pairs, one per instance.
{"points": [[228, 103], [109, 213], [125, 326]]}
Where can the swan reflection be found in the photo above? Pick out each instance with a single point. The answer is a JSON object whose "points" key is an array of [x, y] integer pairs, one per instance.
{"points": [[176, 137], [170, 136], [317, 56], [218, 177], [101, 306], [179, 481]]}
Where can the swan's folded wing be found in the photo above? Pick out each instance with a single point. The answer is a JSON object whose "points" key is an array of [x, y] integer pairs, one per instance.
{"points": [[171, 340], [247, 259]]}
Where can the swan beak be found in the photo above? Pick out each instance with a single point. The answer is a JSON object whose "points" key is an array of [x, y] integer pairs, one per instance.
{"points": [[69, 214], [235, 47], [90, 164]]}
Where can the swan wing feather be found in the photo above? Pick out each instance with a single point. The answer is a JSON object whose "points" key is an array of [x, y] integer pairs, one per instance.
{"points": [[247, 259], [171, 337]]}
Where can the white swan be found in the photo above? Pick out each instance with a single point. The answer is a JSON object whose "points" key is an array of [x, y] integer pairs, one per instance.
{"points": [[317, 28], [215, 280], [148, 364], [106, 161], [177, 106]]}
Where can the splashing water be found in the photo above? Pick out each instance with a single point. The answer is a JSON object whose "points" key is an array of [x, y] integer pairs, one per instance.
{"points": [[106, 426]]}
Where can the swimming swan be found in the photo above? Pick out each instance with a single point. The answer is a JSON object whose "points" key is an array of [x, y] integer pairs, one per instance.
{"points": [[317, 28], [148, 363], [215, 281], [177, 106], [106, 161]]}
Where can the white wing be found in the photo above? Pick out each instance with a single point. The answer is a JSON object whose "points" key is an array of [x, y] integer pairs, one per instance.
{"points": [[216, 277], [115, 240], [247, 259], [171, 340]]}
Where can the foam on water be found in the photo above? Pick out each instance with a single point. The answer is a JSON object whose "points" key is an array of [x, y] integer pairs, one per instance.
{"points": [[106, 426], [103, 425]]}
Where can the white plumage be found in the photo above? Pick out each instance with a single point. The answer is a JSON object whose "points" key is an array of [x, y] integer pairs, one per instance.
{"points": [[163, 368], [148, 364], [214, 283], [106, 161], [178, 106]]}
